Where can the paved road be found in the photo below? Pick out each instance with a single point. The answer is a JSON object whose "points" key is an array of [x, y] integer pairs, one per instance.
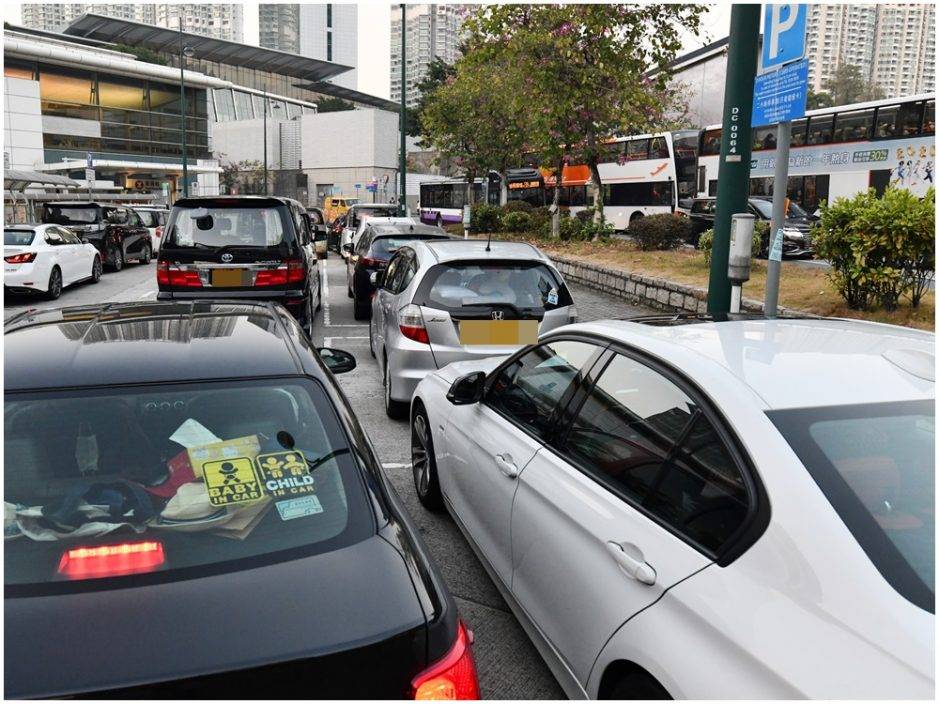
{"points": [[508, 664]]}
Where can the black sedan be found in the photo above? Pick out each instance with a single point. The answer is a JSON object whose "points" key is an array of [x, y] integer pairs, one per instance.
{"points": [[192, 510]]}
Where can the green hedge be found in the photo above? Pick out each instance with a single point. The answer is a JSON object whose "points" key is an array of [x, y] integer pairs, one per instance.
{"points": [[659, 232]]}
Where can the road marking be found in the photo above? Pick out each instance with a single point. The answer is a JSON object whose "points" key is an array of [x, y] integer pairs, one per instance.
{"points": [[325, 279], [395, 465], [327, 341]]}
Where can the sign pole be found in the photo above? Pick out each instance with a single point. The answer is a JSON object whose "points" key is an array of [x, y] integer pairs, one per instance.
{"points": [[736, 143], [403, 158], [780, 193]]}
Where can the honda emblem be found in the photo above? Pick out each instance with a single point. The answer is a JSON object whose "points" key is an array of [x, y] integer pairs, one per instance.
{"points": [[498, 315]]}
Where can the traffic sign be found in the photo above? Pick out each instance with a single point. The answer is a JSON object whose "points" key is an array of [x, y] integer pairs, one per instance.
{"points": [[89, 161], [780, 96], [90, 175], [783, 34]]}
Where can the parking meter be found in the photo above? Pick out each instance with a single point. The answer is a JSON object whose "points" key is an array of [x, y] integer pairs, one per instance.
{"points": [[738, 263]]}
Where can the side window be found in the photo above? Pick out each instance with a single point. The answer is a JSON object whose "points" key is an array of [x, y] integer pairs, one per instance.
{"points": [[643, 437], [53, 236], [365, 241], [391, 272], [409, 272], [530, 389], [68, 237], [401, 272]]}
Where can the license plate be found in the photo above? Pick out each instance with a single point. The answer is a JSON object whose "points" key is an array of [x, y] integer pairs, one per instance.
{"points": [[229, 277], [475, 333]]}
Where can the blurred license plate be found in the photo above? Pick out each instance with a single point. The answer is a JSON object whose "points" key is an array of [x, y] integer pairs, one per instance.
{"points": [[498, 332], [229, 277]]}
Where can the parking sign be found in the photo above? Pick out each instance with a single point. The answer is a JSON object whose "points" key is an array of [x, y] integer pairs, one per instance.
{"points": [[783, 34]]}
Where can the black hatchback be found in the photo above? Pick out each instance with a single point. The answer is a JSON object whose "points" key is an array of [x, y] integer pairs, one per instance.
{"points": [[240, 247], [211, 523]]}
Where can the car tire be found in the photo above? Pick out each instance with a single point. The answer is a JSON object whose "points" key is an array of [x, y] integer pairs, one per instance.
{"points": [[371, 340], [439, 220], [55, 284], [396, 410], [115, 259], [96, 270], [319, 295], [424, 462], [361, 310], [147, 254], [637, 686]]}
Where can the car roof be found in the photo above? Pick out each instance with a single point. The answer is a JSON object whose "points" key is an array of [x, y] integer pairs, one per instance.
{"points": [[392, 229], [129, 343], [195, 201], [793, 363], [84, 203], [28, 225], [453, 249]]}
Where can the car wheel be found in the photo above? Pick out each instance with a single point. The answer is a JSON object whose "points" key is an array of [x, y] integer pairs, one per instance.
{"points": [[147, 254], [361, 309], [319, 294], [310, 315], [96, 270], [55, 284], [371, 340], [439, 220], [395, 409], [423, 462], [116, 259], [637, 687]]}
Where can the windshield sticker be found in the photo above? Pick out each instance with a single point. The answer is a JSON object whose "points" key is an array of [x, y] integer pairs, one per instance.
{"points": [[298, 508], [285, 474], [552, 297], [231, 481]]}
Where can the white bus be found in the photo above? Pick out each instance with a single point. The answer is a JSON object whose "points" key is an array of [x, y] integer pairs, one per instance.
{"points": [[442, 201], [840, 151]]}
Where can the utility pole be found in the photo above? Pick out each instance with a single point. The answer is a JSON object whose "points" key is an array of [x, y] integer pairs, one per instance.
{"points": [[402, 163], [182, 104], [265, 140], [733, 175], [780, 201]]}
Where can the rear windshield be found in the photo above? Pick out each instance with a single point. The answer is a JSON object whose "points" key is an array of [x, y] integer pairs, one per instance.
{"points": [[19, 238], [876, 465], [167, 481], [70, 214], [386, 246], [529, 286], [219, 226], [365, 212], [148, 218]]}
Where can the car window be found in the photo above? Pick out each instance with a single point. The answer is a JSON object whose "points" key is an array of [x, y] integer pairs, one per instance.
{"points": [[18, 238], [643, 437], [148, 218], [409, 271], [400, 279], [221, 226], [53, 236], [391, 272], [529, 389], [170, 479], [70, 214], [361, 247], [68, 237], [528, 286], [876, 466]]}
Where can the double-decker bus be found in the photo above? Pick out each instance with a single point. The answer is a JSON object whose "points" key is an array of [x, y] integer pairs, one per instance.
{"points": [[527, 184], [840, 151], [442, 201]]}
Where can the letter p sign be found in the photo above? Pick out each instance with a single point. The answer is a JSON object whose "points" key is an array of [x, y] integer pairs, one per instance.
{"points": [[783, 34]]}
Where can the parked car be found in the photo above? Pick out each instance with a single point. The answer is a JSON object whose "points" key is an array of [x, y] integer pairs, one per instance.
{"points": [[316, 221], [378, 243], [644, 490], [46, 259], [154, 219], [444, 301], [116, 231], [357, 214], [796, 232], [241, 247], [217, 511]]}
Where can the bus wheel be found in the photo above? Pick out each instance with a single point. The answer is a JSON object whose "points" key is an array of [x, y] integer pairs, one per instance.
{"points": [[634, 217]]}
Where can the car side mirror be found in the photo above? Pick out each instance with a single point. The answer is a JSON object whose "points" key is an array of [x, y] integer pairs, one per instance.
{"points": [[467, 389], [337, 361], [347, 247], [377, 278]]}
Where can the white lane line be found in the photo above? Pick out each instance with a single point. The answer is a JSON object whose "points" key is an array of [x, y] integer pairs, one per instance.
{"points": [[325, 292], [395, 465], [327, 341]]}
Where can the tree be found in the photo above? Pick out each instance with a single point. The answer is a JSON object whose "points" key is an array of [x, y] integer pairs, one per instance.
{"points": [[846, 85], [814, 101], [332, 104], [585, 71], [244, 177]]}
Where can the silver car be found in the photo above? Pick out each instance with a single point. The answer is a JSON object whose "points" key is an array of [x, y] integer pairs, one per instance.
{"points": [[447, 301]]}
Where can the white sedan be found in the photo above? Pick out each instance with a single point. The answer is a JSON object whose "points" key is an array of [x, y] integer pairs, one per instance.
{"points": [[46, 259], [701, 510]]}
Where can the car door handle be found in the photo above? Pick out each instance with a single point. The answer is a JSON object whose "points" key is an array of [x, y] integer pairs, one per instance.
{"points": [[506, 466], [630, 558]]}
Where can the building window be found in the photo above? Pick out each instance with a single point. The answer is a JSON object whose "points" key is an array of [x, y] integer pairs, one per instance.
{"points": [[329, 15], [329, 46]]}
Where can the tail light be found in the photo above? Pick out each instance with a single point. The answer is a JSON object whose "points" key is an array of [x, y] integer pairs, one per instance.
{"points": [[411, 323], [369, 261], [111, 560], [290, 272], [453, 677], [24, 258], [172, 275], [159, 231]]}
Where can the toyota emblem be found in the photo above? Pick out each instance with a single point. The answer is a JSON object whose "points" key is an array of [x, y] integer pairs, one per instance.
{"points": [[498, 315], [227, 257]]}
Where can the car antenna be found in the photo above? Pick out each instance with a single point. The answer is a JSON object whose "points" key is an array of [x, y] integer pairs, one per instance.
{"points": [[488, 239]]}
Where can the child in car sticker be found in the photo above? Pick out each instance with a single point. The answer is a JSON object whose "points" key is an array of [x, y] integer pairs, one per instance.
{"points": [[231, 481], [284, 474]]}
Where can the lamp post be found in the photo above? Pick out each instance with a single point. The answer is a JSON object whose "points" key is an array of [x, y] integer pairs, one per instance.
{"points": [[185, 52], [266, 103]]}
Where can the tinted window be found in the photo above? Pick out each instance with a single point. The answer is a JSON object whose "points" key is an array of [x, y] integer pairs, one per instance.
{"points": [[19, 238], [886, 126], [853, 126], [929, 118], [711, 143], [660, 193], [217, 226], [148, 218], [876, 465], [819, 130], [181, 476], [530, 389], [529, 286], [70, 214], [637, 149]]}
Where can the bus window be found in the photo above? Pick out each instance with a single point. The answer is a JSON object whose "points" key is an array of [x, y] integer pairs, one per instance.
{"points": [[798, 134], [658, 149], [886, 126], [658, 193], [929, 118], [853, 126], [764, 138], [712, 187], [612, 153], [637, 150], [814, 192], [820, 129], [711, 144], [908, 122]]}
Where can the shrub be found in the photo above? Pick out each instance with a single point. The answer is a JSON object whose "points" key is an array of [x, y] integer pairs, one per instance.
{"points": [[487, 218], [517, 206], [657, 232], [585, 215], [516, 222], [571, 228], [760, 238], [879, 248], [597, 230]]}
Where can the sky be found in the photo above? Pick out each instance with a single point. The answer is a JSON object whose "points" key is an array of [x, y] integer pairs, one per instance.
{"points": [[374, 37]]}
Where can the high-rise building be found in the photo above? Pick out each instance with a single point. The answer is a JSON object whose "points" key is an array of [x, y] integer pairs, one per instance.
{"points": [[218, 20], [432, 31], [325, 31], [892, 45]]}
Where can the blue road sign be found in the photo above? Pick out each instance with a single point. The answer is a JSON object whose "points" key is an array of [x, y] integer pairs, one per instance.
{"points": [[783, 34], [780, 96]]}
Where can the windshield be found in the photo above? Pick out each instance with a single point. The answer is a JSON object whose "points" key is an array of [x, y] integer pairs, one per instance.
{"points": [[70, 214], [217, 226], [168, 479], [363, 213], [876, 465], [19, 238], [529, 286]]}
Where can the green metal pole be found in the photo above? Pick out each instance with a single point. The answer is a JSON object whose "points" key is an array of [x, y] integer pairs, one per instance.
{"points": [[733, 175], [182, 105], [402, 163]]}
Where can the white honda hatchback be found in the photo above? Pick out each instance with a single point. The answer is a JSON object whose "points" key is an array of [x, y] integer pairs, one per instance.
{"points": [[696, 509]]}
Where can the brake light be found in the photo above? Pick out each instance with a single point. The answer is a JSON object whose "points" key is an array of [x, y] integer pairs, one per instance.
{"points": [[451, 678], [171, 275], [411, 323], [24, 258], [111, 560], [369, 261], [290, 272], [159, 231]]}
